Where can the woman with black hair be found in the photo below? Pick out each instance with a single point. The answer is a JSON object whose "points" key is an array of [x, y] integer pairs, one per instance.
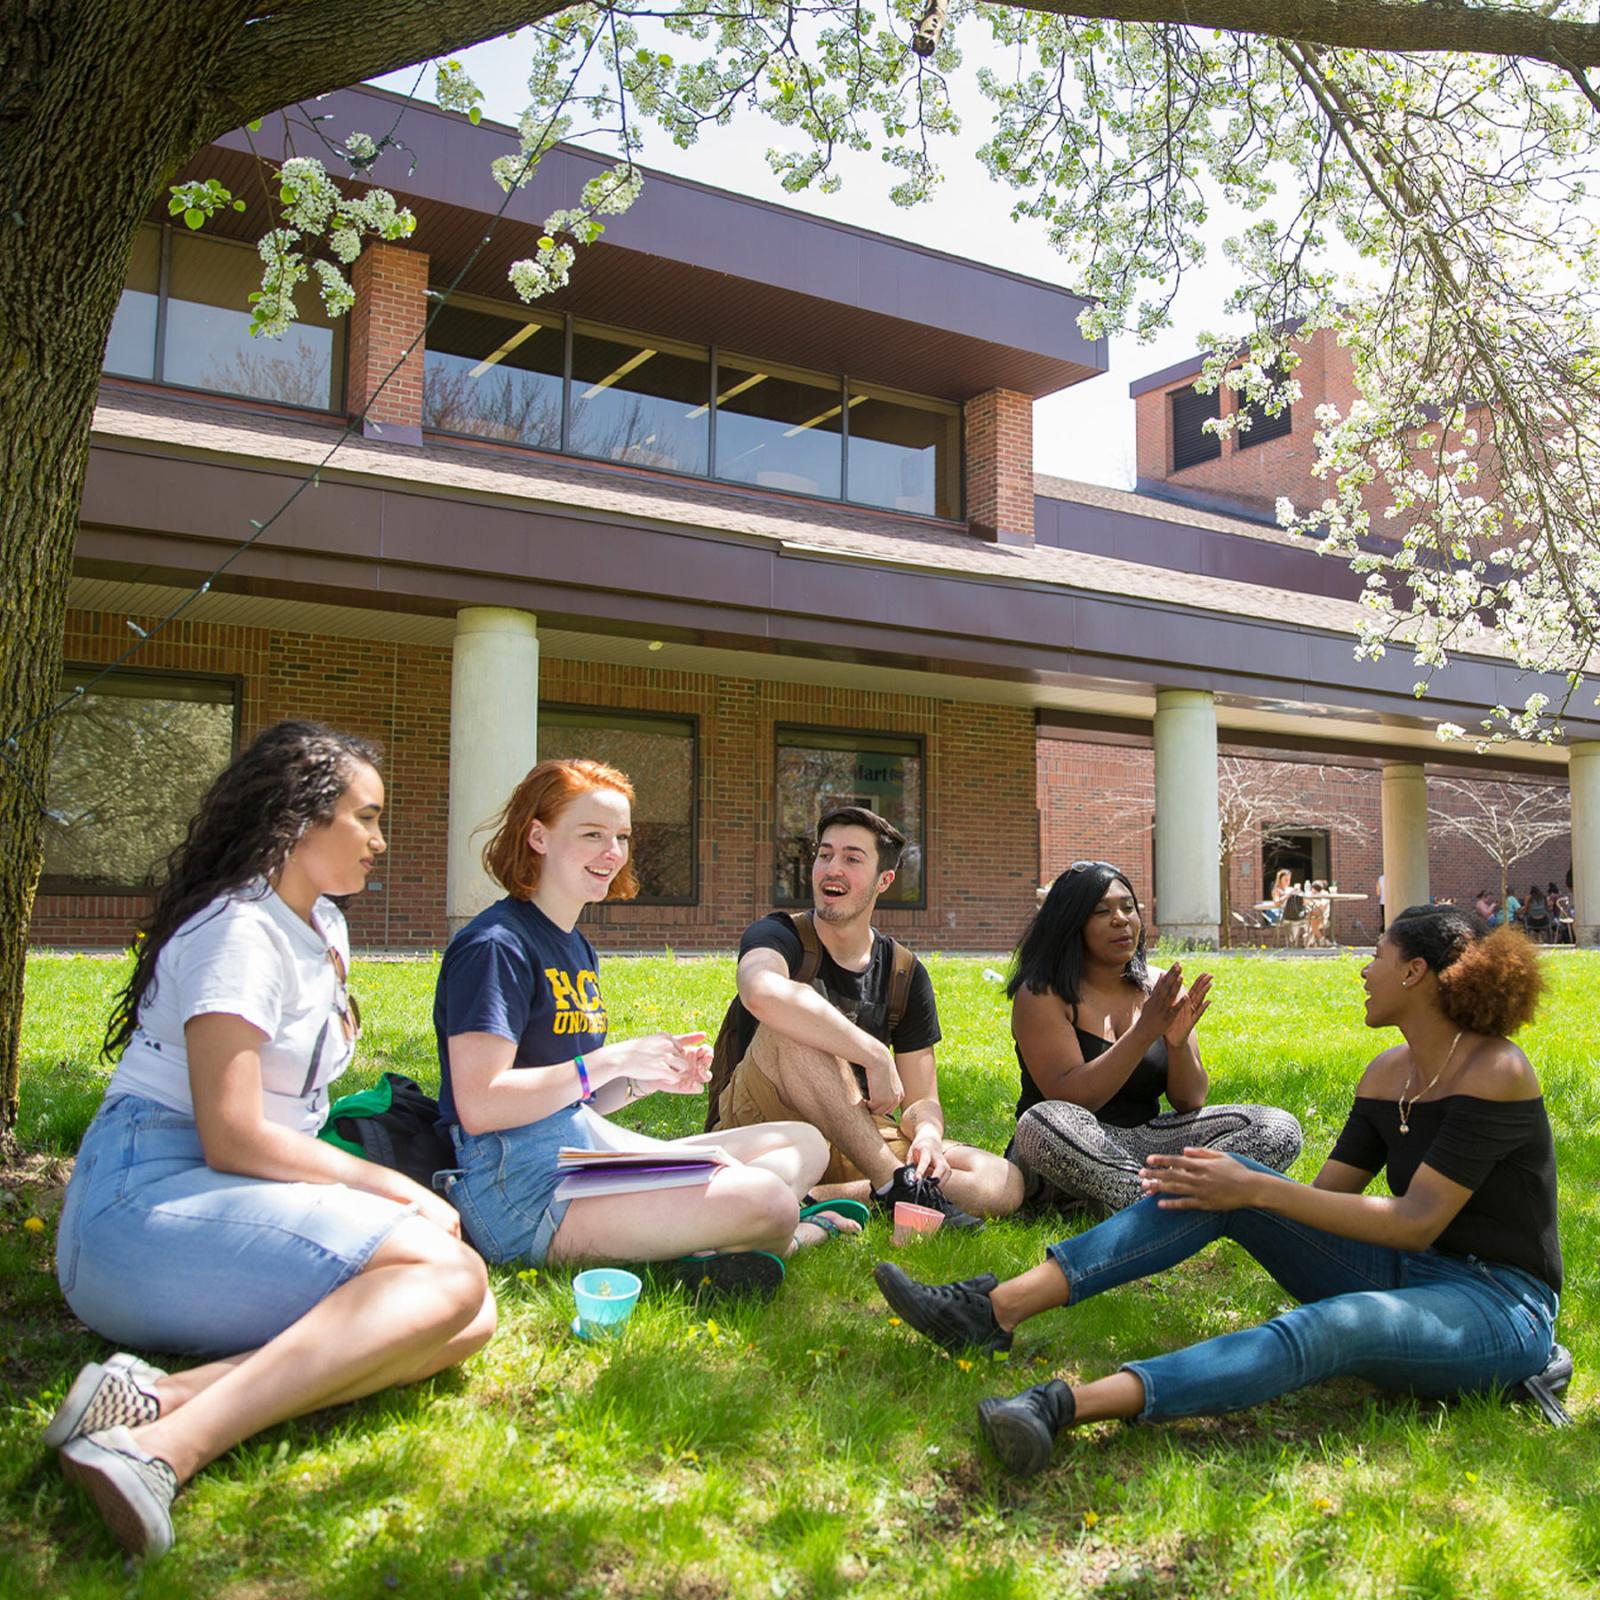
{"points": [[1449, 1284], [1100, 1039], [204, 1216]]}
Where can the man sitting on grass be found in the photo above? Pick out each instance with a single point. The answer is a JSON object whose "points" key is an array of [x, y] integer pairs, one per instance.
{"points": [[830, 1052]]}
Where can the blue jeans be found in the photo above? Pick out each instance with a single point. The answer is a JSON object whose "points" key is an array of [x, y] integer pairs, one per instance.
{"points": [[1422, 1321]]}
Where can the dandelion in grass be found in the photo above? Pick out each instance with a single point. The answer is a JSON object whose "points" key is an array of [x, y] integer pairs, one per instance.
{"points": [[1090, 1518], [965, 1365], [34, 1225]]}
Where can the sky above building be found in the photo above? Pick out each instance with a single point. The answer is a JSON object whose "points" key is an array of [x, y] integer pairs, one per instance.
{"points": [[1085, 432]]}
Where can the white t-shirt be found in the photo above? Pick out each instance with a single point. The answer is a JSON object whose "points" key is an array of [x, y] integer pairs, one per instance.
{"points": [[248, 955]]}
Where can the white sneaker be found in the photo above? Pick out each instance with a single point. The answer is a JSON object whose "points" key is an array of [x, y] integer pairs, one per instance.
{"points": [[132, 1490], [118, 1392]]}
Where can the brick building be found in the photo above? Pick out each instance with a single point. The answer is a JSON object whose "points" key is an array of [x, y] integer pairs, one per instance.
{"points": [[748, 509]]}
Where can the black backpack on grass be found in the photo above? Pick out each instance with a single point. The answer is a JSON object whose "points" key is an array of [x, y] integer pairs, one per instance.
{"points": [[724, 1054], [395, 1123]]}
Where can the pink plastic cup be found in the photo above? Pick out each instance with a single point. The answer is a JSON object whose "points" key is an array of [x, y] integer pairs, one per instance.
{"points": [[912, 1222]]}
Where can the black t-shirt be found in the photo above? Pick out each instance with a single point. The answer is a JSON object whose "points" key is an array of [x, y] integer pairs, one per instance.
{"points": [[1136, 1102], [1502, 1150], [511, 971], [863, 997]]}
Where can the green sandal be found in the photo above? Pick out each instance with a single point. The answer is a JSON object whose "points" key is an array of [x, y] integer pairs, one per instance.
{"points": [[853, 1209]]}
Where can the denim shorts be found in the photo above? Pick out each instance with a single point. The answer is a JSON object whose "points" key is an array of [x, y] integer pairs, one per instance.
{"points": [[158, 1251], [505, 1185]]}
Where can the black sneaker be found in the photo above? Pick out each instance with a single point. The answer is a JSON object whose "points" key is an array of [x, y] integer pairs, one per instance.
{"points": [[955, 1315], [906, 1185], [1022, 1430]]}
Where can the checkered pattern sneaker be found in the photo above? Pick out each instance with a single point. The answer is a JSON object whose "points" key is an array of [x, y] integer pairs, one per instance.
{"points": [[132, 1490], [120, 1392]]}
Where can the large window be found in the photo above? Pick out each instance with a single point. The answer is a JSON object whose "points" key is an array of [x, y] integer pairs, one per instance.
{"points": [[497, 376], [643, 403], [905, 453], [184, 318], [129, 764], [1262, 426], [819, 770], [556, 383], [131, 349], [658, 755], [778, 429], [1191, 444]]}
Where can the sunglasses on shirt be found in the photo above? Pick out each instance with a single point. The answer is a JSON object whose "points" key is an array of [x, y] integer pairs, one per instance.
{"points": [[344, 1002]]}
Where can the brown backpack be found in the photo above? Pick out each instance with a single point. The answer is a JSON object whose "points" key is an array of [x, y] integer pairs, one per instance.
{"points": [[723, 1055]]}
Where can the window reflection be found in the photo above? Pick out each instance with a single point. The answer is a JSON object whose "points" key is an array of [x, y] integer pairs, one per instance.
{"points": [[779, 429], [494, 376], [646, 404], [658, 755], [208, 341], [818, 771], [905, 454], [131, 349], [130, 762]]}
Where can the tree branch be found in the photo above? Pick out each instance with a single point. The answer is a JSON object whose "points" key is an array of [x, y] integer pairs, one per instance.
{"points": [[321, 45], [1391, 25]]}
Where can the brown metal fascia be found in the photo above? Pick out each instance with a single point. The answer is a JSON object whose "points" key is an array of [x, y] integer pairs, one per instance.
{"points": [[373, 539]]}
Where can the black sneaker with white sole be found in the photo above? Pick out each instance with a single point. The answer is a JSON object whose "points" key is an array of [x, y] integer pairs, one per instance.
{"points": [[957, 1316], [906, 1185], [1022, 1430]]}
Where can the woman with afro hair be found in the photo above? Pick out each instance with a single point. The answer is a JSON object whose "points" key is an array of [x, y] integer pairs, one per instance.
{"points": [[1449, 1284]]}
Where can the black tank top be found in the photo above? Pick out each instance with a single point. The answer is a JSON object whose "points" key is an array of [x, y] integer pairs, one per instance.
{"points": [[1136, 1102]]}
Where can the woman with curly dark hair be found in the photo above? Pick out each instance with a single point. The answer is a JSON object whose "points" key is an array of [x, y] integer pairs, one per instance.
{"points": [[1101, 1040], [204, 1216], [1447, 1285]]}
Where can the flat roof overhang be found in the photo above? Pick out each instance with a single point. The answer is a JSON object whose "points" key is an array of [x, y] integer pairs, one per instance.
{"points": [[714, 268], [149, 517]]}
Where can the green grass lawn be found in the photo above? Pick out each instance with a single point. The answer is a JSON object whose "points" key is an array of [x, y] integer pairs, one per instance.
{"points": [[808, 1447]]}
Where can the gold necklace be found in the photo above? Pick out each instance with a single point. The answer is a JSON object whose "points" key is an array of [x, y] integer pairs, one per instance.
{"points": [[1400, 1099]]}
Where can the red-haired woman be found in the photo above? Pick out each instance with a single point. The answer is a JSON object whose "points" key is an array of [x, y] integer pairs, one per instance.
{"points": [[1448, 1284], [526, 1067]]}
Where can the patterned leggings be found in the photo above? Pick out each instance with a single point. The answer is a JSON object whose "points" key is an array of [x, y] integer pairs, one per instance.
{"points": [[1078, 1157]]}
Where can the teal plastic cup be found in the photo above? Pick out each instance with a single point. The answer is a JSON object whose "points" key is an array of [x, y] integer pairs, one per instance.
{"points": [[606, 1297]]}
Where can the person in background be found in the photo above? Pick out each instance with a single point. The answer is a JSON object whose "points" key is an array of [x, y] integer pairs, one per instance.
{"points": [[1484, 906], [1282, 887], [1101, 1040], [204, 1216], [1448, 1284]]}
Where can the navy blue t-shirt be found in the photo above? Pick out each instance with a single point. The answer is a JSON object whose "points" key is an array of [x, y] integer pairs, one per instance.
{"points": [[511, 971]]}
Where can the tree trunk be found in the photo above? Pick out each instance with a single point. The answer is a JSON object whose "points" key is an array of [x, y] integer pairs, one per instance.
{"points": [[89, 136]]}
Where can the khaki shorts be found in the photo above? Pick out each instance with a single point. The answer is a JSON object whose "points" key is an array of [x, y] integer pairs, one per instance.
{"points": [[751, 1096]]}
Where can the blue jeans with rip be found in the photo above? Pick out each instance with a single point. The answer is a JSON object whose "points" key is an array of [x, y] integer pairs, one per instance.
{"points": [[1422, 1321]]}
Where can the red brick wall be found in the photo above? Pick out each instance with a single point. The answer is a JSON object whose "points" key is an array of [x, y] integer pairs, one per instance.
{"points": [[980, 822], [391, 307], [1252, 475], [999, 465], [1095, 802], [395, 695]]}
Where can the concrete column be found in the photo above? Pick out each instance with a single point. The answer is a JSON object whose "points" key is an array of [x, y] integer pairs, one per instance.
{"points": [[1584, 776], [1188, 886], [1405, 837], [494, 740]]}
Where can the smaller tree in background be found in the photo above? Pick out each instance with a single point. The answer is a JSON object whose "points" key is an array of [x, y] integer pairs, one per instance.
{"points": [[1507, 821], [1251, 807]]}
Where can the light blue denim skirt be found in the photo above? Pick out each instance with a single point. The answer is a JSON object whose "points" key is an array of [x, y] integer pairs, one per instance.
{"points": [[158, 1251], [505, 1185]]}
